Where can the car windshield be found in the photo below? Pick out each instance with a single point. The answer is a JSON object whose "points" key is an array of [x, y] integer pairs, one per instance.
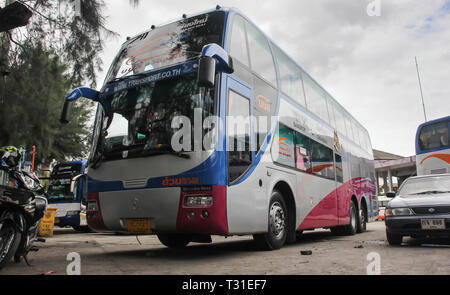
{"points": [[414, 187], [167, 45], [140, 118]]}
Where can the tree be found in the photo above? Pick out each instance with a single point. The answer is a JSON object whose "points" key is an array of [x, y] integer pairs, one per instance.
{"points": [[39, 64], [31, 105]]}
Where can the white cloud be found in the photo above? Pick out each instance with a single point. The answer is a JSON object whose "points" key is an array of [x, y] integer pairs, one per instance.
{"points": [[366, 63]]}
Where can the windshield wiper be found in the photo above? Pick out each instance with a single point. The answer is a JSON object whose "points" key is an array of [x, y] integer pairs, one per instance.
{"points": [[149, 153], [125, 77]]}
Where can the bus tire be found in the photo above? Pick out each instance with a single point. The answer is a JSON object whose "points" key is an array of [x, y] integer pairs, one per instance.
{"points": [[276, 234], [82, 229], [351, 229], [175, 241], [362, 219]]}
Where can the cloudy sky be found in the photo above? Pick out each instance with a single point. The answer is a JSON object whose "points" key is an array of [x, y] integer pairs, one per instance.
{"points": [[364, 58]]}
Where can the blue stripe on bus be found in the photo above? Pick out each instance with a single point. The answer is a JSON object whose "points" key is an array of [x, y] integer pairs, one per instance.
{"points": [[211, 172]]}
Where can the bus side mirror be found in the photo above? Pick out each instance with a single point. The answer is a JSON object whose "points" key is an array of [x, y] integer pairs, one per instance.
{"points": [[390, 194], [66, 112], [206, 72], [213, 58], [74, 95]]}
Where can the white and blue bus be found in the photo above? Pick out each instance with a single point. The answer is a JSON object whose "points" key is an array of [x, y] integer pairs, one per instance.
{"points": [[270, 154], [67, 192], [433, 147]]}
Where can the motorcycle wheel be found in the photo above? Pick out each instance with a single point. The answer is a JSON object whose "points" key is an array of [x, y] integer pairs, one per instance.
{"points": [[9, 242]]}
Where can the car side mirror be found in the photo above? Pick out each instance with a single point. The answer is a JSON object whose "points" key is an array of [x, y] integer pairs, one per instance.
{"points": [[390, 194]]}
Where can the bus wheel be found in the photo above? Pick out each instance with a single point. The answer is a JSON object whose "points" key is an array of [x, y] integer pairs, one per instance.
{"points": [[362, 224], [275, 237], [174, 240], [82, 229]]}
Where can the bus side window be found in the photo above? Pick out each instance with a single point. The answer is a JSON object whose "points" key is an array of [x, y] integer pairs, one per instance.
{"points": [[238, 44], [302, 152], [339, 171], [322, 160]]}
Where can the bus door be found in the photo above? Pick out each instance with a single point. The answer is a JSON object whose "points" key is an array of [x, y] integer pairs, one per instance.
{"points": [[239, 129]]}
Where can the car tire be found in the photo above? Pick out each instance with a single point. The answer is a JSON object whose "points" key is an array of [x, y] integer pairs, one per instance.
{"points": [[175, 241], [394, 239], [277, 230]]}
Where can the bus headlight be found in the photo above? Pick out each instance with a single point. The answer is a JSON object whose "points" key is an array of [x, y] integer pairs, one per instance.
{"points": [[398, 212], [199, 201]]}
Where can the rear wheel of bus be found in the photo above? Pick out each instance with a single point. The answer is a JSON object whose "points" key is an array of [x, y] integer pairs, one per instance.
{"points": [[352, 227], [275, 237], [174, 240]]}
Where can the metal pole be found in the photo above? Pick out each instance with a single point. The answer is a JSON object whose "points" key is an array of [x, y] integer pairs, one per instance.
{"points": [[421, 92]]}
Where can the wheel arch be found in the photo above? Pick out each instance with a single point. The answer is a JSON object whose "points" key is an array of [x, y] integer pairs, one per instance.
{"points": [[285, 189]]}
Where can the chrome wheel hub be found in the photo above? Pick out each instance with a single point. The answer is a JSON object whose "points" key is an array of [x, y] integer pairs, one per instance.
{"points": [[277, 219]]}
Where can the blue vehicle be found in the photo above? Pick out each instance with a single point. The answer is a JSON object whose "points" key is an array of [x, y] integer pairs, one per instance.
{"points": [[67, 193]]}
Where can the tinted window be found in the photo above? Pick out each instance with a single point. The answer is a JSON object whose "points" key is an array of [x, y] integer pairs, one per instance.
{"points": [[260, 55], [264, 107], [434, 136], [339, 170], [284, 146], [322, 160], [315, 99], [290, 77], [303, 152], [238, 133], [238, 46]]}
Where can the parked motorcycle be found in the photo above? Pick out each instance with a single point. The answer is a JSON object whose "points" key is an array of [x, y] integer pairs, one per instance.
{"points": [[22, 206]]}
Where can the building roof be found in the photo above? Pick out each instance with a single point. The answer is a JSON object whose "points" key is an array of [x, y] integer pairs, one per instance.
{"points": [[380, 155]]}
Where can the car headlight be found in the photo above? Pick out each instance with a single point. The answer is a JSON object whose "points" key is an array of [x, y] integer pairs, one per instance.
{"points": [[398, 212]]}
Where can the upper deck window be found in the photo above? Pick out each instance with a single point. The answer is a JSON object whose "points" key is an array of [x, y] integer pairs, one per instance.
{"points": [[260, 55], [238, 46], [290, 77], [434, 136], [170, 44], [315, 99]]}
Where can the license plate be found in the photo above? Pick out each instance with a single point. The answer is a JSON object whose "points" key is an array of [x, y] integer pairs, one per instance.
{"points": [[139, 226], [433, 223]]}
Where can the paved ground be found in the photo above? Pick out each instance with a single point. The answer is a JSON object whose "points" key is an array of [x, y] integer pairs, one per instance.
{"points": [[113, 254]]}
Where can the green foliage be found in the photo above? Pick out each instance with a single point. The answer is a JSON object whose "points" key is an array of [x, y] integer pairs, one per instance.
{"points": [[31, 99]]}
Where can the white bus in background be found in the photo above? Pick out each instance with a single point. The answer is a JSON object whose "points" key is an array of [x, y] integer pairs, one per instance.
{"points": [[433, 147]]}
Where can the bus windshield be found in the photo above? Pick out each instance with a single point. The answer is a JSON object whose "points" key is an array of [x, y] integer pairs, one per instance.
{"points": [[139, 121], [168, 45], [60, 181], [434, 136]]}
